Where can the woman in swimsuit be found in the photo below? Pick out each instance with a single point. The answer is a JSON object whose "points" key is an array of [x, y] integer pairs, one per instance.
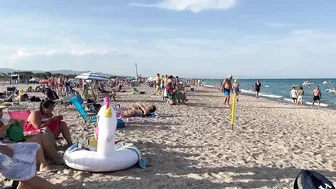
{"points": [[44, 119], [139, 110]]}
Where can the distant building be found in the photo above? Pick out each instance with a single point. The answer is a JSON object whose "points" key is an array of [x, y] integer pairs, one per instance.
{"points": [[20, 78]]}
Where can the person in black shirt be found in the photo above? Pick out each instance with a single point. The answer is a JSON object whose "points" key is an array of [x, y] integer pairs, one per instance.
{"points": [[257, 87]]}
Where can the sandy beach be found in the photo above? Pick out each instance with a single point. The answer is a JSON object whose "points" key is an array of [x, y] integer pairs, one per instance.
{"points": [[193, 146]]}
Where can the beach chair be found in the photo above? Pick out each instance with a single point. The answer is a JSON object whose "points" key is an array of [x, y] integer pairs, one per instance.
{"points": [[87, 116], [10, 90], [71, 92], [89, 105]]}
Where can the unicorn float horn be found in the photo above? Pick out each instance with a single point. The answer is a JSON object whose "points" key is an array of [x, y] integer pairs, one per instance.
{"points": [[107, 125]]}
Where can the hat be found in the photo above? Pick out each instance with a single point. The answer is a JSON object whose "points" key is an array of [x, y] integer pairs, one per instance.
{"points": [[229, 76], [21, 91], [235, 80], [3, 107]]}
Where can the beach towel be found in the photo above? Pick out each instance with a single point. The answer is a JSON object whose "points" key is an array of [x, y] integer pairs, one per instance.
{"points": [[23, 115], [312, 180], [22, 166]]}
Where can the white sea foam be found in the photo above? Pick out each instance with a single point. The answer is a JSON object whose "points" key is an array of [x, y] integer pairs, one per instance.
{"points": [[316, 104]]}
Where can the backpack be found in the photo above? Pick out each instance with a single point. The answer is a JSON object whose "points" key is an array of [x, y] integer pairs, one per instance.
{"points": [[312, 180]]}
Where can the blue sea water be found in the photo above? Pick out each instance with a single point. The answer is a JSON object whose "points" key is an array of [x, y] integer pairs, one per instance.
{"points": [[279, 89]]}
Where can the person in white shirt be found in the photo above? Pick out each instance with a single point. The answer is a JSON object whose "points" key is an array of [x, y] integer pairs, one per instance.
{"points": [[294, 95]]}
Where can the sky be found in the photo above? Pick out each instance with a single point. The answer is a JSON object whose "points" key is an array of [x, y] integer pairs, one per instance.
{"points": [[189, 38]]}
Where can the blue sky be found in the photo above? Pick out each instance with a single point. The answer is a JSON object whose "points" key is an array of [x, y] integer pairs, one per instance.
{"points": [[204, 38]]}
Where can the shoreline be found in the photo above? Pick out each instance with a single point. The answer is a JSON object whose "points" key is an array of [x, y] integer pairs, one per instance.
{"points": [[280, 100], [193, 145]]}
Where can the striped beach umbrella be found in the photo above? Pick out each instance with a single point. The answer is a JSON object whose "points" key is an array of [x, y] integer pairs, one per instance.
{"points": [[92, 76]]}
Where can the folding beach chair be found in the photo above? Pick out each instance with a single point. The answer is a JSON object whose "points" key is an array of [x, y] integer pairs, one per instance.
{"points": [[71, 92], [10, 90], [87, 116]]}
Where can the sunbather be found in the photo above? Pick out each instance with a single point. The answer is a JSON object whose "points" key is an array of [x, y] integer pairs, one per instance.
{"points": [[44, 119], [139, 110], [17, 97], [18, 162], [42, 139]]}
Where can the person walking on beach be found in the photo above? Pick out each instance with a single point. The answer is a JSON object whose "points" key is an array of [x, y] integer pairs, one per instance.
{"points": [[257, 87], [294, 95], [317, 95], [236, 89], [226, 89], [300, 96], [158, 83]]}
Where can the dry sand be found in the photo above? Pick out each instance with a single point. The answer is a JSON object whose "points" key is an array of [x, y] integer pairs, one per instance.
{"points": [[193, 146]]}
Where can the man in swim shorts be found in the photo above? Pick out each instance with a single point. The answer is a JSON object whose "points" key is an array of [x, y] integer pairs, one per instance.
{"points": [[226, 89], [317, 96]]}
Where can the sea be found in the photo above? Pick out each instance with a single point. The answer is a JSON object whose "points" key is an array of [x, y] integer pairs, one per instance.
{"points": [[279, 89]]}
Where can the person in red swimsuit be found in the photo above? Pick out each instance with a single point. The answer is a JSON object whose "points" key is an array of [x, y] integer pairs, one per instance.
{"points": [[44, 119]]}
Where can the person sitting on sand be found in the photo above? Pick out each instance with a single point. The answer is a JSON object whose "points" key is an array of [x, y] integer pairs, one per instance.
{"points": [[226, 89], [18, 162], [18, 96], [139, 110], [42, 139], [44, 119], [50, 94]]}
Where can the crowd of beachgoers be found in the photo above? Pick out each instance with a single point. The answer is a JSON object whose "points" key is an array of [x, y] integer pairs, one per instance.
{"points": [[187, 145], [45, 127]]}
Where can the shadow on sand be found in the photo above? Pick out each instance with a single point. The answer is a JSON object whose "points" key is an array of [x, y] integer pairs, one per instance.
{"points": [[168, 168]]}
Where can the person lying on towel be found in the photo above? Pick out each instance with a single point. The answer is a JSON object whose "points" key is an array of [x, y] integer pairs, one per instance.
{"points": [[139, 110]]}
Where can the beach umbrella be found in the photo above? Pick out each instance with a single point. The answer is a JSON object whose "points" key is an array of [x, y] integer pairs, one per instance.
{"points": [[151, 79], [44, 81], [92, 76]]}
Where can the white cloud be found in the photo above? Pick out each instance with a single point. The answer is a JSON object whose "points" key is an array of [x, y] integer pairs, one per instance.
{"points": [[192, 5], [278, 25], [22, 53]]}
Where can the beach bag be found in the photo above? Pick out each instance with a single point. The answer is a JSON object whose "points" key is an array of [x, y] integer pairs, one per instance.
{"points": [[121, 123], [312, 180], [15, 133]]}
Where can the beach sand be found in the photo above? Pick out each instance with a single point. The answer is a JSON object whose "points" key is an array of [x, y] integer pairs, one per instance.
{"points": [[193, 146]]}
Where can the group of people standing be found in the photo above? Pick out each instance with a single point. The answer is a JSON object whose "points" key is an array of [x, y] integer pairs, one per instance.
{"points": [[297, 95], [170, 87], [60, 84], [228, 87]]}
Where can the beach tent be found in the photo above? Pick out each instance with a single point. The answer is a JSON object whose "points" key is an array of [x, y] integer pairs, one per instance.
{"points": [[92, 76]]}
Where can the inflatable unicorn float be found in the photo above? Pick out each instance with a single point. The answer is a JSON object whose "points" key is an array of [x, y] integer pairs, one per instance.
{"points": [[109, 156]]}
